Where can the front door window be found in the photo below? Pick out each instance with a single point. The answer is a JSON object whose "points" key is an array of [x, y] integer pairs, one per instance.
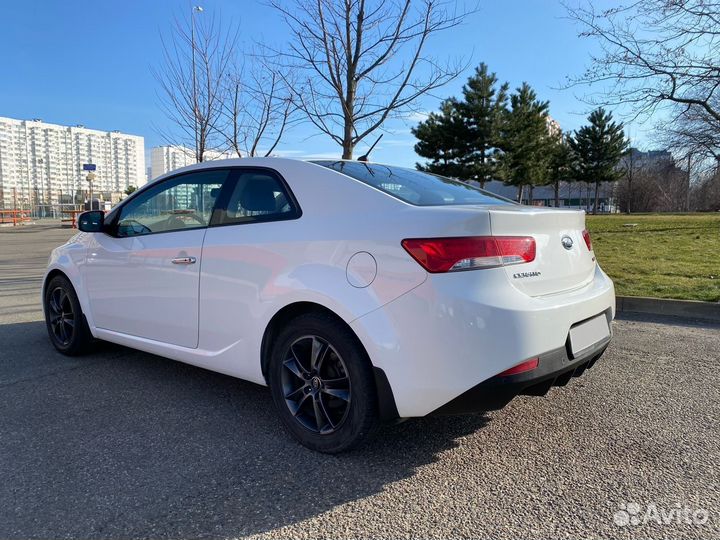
{"points": [[182, 203]]}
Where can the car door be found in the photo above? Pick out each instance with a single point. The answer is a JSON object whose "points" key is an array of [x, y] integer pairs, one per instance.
{"points": [[245, 251], [143, 276]]}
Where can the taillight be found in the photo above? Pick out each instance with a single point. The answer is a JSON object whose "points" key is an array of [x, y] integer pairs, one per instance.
{"points": [[528, 365], [470, 252], [586, 237]]}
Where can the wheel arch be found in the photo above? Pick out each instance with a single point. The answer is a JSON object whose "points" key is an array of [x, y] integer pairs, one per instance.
{"points": [[386, 399], [50, 275], [71, 275]]}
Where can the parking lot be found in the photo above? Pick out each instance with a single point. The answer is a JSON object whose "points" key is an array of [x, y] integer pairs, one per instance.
{"points": [[123, 444]]}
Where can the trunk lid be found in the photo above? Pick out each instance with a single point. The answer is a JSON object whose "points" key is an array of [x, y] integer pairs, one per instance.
{"points": [[556, 267]]}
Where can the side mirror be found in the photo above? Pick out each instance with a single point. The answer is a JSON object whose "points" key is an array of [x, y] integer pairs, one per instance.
{"points": [[91, 221]]}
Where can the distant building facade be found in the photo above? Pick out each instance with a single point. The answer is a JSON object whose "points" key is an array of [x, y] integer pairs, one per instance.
{"points": [[581, 195], [553, 127], [649, 160], [576, 195], [41, 164], [164, 159]]}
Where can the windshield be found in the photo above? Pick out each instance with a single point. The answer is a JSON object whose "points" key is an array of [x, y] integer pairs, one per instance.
{"points": [[414, 187]]}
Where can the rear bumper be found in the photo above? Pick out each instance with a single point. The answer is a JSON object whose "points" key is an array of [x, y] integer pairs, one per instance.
{"points": [[555, 368], [456, 331]]}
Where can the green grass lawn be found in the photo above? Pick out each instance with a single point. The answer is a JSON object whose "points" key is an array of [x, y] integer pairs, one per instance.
{"points": [[665, 256]]}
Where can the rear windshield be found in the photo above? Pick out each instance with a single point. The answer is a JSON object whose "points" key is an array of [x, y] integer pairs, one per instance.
{"points": [[414, 187]]}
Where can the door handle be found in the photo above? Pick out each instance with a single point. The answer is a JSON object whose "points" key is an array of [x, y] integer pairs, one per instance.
{"points": [[184, 260]]}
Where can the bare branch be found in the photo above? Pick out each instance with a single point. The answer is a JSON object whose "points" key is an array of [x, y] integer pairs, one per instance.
{"points": [[196, 59], [653, 53], [257, 107], [362, 64]]}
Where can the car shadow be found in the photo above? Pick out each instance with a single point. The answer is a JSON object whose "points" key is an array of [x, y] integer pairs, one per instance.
{"points": [[123, 444]]}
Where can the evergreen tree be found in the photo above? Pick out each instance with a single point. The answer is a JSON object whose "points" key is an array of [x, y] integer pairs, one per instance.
{"points": [[481, 109], [442, 139], [524, 140], [560, 162], [598, 147]]}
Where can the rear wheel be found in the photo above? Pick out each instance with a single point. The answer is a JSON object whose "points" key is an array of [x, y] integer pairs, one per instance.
{"points": [[66, 325], [322, 384]]}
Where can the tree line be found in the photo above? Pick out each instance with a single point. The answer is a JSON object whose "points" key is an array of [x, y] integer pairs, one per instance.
{"points": [[490, 133]]}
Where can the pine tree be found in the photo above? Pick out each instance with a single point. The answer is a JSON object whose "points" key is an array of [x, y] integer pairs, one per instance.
{"points": [[481, 109], [524, 140], [599, 146], [560, 162], [442, 139]]}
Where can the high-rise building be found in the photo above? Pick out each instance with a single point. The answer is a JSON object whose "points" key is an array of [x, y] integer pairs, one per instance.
{"points": [[164, 159], [553, 126], [41, 164]]}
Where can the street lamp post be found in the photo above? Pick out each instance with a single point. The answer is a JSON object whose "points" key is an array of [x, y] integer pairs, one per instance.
{"points": [[40, 194], [90, 178]]}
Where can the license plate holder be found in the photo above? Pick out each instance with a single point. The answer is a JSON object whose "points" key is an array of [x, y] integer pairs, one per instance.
{"points": [[588, 333]]}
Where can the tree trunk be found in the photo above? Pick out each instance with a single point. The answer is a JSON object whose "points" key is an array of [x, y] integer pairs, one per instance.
{"points": [[348, 104], [347, 145], [557, 193], [587, 195], [482, 176], [521, 189], [530, 194], [597, 189], [630, 179]]}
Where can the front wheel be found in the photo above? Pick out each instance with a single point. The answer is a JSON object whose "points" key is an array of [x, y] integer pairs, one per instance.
{"points": [[322, 384], [66, 325]]}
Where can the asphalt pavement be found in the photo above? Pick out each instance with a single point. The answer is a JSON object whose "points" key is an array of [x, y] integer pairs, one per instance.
{"points": [[122, 444]]}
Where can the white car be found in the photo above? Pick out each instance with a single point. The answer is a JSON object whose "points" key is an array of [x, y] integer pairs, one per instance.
{"points": [[356, 291]]}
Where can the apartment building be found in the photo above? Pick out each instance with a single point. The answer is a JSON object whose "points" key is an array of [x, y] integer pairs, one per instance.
{"points": [[164, 159], [41, 164]]}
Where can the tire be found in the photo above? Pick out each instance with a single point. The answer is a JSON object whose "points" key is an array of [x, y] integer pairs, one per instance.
{"points": [[322, 384], [64, 319]]}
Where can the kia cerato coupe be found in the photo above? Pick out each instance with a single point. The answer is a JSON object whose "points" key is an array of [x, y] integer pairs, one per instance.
{"points": [[356, 291]]}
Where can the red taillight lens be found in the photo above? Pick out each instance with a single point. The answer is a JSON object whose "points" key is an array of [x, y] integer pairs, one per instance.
{"points": [[470, 252], [586, 237], [528, 365]]}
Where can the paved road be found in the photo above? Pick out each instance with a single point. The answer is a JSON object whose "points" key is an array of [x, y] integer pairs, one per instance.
{"points": [[122, 444]]}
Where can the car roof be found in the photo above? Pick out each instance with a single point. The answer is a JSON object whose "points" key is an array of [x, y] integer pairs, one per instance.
{"points": [[272, 162]]}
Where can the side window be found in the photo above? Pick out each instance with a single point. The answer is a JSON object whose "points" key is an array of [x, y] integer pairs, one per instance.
{"points": [[183, 202], [258, 196]]}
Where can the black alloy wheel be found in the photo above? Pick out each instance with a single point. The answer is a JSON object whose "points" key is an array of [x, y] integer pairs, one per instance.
{"points": [[66, 325], [316, 385], [62, 316], [322, 382]]}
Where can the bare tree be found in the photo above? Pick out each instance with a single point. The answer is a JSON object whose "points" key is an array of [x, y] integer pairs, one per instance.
{"points": [[257, 108], [651, 186], [705, 193], [364, 62], [196, 62], [654, 52], [692, 131]]}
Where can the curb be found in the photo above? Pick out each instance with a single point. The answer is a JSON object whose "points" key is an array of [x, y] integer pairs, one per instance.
{"points": [[692, 309]]}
